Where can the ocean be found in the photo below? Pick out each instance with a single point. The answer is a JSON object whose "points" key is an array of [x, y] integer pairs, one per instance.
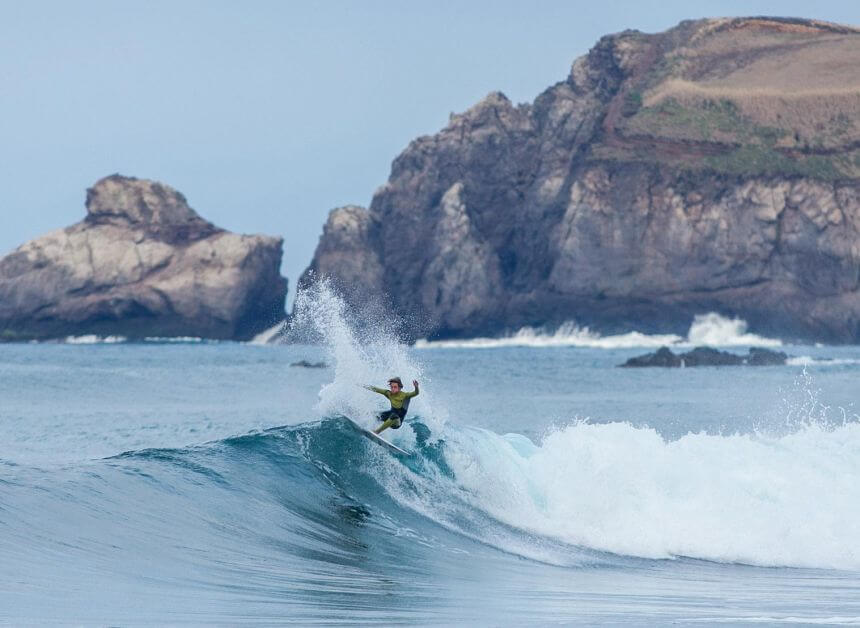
{"points": [[209, 483]]}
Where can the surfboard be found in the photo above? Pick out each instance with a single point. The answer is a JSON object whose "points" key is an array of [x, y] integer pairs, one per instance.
{"points": [[376, 438]]}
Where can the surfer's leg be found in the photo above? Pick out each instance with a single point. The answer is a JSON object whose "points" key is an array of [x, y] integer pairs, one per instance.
{"points": [[385, 425], [385, 416]]}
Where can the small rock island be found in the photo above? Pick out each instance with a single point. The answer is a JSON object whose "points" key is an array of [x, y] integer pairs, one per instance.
{"points": [[142, 263], [706, 356]]}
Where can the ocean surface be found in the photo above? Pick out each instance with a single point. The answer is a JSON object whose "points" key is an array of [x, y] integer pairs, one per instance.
{"points": [[213, 483]]}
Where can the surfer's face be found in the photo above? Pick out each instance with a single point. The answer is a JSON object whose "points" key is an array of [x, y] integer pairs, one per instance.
{"points": [[394, 387]]}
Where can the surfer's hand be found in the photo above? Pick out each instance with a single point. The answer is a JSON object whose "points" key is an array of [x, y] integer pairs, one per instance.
{"points": [[415, 383]]}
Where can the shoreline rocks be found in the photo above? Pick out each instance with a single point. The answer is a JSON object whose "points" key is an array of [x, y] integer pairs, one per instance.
{"points": [[142, 263]]}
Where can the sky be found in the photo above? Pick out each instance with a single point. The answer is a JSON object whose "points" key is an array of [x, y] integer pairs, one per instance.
{"points": [[266, 115]]}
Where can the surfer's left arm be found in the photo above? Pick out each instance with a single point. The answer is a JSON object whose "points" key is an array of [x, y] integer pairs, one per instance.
{"points": [[415, 392]]}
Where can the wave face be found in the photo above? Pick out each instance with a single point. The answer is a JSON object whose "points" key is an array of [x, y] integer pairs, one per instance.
{"points": [[706, 329]]}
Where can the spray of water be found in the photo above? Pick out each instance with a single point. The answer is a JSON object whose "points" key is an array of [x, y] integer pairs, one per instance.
{"points": [[364, 348]]}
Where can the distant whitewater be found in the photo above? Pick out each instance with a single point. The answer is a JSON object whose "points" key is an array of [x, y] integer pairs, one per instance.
{"points": [[710, 329], [92, 339]]}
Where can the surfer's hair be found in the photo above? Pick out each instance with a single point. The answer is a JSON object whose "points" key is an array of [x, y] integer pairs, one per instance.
{"points": [[396, 380]]}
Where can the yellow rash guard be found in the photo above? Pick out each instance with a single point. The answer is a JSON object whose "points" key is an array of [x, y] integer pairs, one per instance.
{"points": [[399, 401]]}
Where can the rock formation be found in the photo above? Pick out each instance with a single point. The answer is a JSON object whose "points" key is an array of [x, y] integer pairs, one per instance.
{"points": [[706, 356], [142, 263], [712, 167]]}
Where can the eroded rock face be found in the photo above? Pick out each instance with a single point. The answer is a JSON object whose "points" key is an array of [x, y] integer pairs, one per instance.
{"points": [[654, 183], [142, 263]]}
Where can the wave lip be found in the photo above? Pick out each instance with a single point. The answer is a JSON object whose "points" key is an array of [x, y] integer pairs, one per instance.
{"points": [[710, 329]]}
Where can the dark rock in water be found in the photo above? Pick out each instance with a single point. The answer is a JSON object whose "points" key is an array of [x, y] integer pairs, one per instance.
{"points": [[706, 356], [765, 357], [142, 263], [668, 175], [662, 357], [310, 365]]}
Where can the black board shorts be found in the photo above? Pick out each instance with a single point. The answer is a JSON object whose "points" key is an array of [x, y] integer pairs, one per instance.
{"points": [[395, 414]]}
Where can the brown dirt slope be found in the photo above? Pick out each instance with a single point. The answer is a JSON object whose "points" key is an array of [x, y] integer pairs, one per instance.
{"points": [[752, 95]]}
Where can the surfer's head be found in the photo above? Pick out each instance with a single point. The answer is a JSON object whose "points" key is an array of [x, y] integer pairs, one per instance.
{"points": [[395, 384]]}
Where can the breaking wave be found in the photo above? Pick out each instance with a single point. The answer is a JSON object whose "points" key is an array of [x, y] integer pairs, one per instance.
{"points": [[585, 494], [710, 329]]}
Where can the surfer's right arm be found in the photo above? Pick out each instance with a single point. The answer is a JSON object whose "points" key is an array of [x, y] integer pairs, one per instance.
{"points": [[381, 391]]}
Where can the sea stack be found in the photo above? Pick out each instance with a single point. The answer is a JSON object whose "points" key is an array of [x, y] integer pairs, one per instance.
{"points": [[711, 167], [142, 263]]}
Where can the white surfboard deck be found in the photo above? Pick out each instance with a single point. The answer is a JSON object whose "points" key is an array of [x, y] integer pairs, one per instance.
{"points": [[376, 438]]}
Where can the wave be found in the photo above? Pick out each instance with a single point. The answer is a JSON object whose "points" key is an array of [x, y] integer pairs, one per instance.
{"points": [[710, 329], [585, 494]]}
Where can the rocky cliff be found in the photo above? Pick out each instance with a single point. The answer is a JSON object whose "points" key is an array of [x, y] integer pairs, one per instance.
{"points": [[712, 167], [142, 263]]}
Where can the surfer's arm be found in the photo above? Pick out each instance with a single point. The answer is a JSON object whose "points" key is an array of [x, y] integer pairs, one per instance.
{"points": [[415, 392], [381, 391]]}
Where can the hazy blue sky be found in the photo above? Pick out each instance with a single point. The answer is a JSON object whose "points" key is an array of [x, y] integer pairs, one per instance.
{"points": [[268, 114]]}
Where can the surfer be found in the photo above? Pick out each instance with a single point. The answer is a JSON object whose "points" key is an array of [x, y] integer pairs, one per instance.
{"points": [[399, 399]]}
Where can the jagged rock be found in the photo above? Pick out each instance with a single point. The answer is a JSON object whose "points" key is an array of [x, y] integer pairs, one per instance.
{"points": [[706, 356], [142, 263], [712, 167]]}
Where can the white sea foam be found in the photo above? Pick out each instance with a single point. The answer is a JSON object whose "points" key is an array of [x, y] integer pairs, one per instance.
{"points": [[92, 339], [176, 339], [791, 500], [718, 331], [568, 335], [710, 329]]}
